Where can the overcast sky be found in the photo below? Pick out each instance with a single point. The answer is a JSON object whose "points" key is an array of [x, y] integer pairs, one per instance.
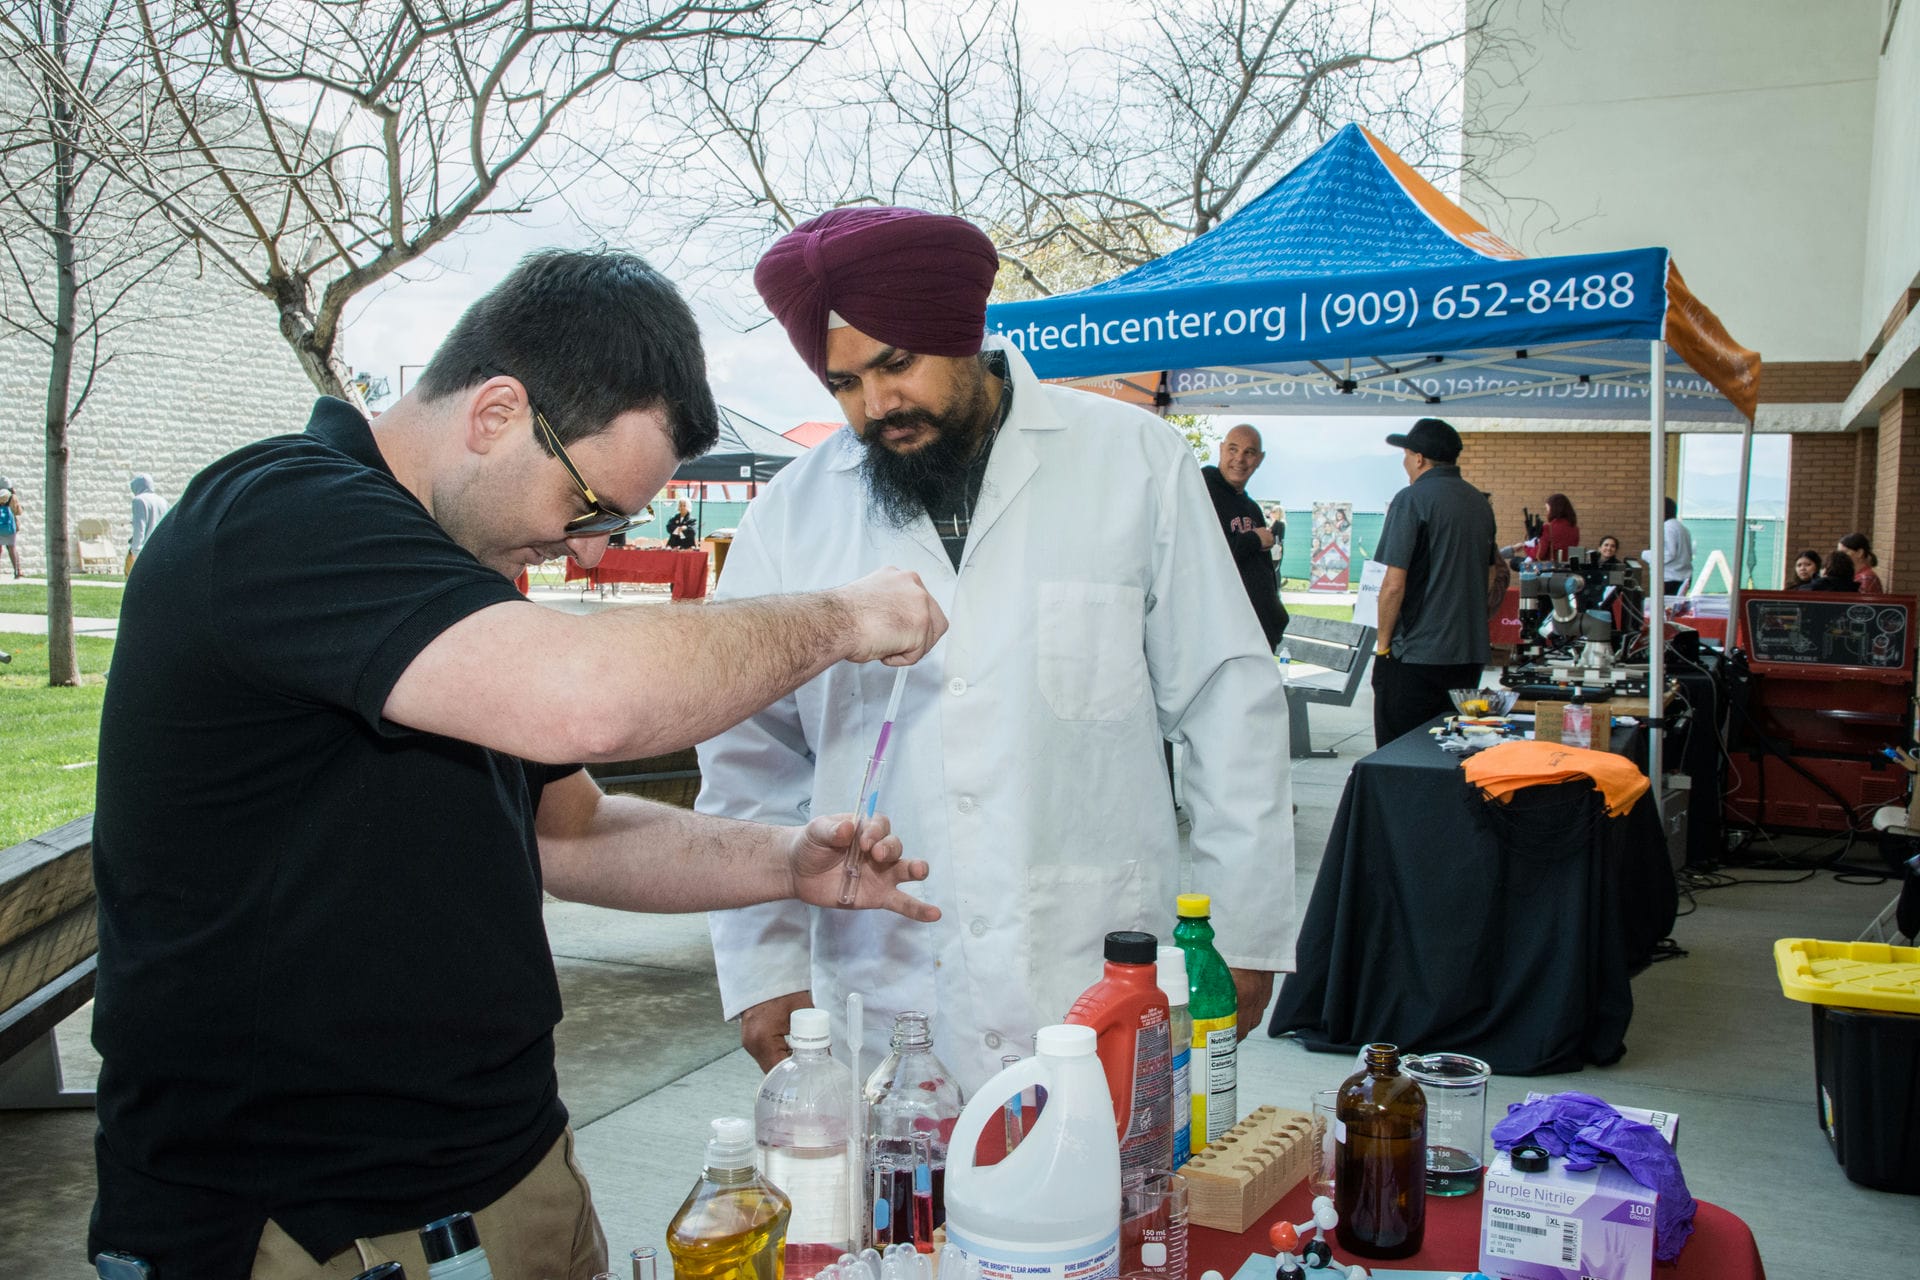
{"points": [[757, 373]]}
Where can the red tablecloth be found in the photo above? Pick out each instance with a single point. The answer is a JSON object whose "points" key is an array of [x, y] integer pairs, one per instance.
{"points": [[1721, 1247], [686, 571]]}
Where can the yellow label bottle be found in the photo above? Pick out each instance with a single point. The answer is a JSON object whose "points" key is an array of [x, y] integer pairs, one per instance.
{"points": [[1215, 1006]]}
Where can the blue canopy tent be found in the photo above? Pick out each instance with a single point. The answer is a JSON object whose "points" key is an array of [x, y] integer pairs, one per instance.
{"points": [[1353, 286]]}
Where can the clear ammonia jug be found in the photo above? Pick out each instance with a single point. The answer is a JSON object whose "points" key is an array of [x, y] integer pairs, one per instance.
{"points": [[1050, 1208]]}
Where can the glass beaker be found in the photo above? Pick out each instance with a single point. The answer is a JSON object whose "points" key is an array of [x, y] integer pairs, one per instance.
{"points": [[1326, 1128], [1456, 1089], [1153, 1227]]}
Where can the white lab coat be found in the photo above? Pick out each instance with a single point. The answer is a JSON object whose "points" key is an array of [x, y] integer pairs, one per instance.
{"points": [[1096, 611]]}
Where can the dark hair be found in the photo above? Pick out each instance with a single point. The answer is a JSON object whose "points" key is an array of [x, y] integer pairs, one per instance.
{"points": [[1673, 509], [591, 335], [1793, 572], [1839, 567], [1858, 542], [1604, 537], [1558, 508]]}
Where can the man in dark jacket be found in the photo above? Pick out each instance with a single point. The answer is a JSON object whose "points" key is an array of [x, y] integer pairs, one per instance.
{"points": [[1248, 534]]}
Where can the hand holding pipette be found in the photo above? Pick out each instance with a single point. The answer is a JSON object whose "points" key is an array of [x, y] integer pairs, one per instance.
{"points": [[870, 791]]}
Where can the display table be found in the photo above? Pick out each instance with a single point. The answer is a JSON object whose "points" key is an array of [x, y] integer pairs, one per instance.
{"points": [[686, 571], [1440, 922], [1721, 1247]]}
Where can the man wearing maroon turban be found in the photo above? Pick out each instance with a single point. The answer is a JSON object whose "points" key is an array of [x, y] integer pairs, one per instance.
{"points": [[1094, 612]]}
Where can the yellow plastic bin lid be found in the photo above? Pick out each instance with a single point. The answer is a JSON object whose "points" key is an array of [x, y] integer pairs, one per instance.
{"points": [[1856, 975]]}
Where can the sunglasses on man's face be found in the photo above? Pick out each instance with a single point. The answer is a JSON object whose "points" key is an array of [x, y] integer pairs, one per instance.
{"points": [[600, 519]]}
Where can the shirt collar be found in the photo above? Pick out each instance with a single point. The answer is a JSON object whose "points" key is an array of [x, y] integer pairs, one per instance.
{"points": [[341, 426]]}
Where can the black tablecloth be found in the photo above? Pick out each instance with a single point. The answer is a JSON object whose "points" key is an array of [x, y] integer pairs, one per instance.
{"points": [[1440, 922]]}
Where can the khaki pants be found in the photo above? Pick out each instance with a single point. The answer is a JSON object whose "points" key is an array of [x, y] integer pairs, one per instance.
{"points": [[543, 1229]]}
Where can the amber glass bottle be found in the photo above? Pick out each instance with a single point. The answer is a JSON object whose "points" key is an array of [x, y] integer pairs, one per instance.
{"points": [[1380, 1171]]}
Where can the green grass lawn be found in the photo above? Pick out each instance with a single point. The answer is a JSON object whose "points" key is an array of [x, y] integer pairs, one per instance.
{"points": [[88, 602], [43, 730], [1338, 612]]}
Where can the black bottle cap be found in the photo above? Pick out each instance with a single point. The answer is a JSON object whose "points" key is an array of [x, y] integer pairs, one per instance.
{"points": [[1530, 1159], [385, 1271], [449, 1237], [1127, 947]]}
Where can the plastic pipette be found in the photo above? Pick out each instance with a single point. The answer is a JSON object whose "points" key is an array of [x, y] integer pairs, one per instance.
{"points": [[860, 1202], [870, 791]]}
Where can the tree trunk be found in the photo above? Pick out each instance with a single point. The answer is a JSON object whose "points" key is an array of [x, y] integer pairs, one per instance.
{"points": [[63, 667], [319, 360]]}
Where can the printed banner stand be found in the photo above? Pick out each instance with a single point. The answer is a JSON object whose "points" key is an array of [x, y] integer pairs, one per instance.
{"points": [[1366, 609], [1331, 559]]}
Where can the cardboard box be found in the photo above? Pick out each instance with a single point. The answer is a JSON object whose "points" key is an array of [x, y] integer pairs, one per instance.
{"points": [[1557, 1225]]}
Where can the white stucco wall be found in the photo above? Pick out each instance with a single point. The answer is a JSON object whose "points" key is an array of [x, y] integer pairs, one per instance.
{"points": [[182, 392], [1738, 133], [200, 390], [1893, 200]]}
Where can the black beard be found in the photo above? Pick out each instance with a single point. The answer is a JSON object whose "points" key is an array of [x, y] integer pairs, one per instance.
{"points": [[903, 485]]}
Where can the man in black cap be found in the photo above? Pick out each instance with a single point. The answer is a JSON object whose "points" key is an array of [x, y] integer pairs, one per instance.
{"points": [[1439, 548]]}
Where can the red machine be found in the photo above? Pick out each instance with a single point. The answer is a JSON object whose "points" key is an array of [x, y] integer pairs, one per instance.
{"points": [[1828, 684]]}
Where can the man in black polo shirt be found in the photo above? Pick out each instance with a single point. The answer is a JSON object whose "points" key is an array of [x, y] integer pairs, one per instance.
{"points": [[1439, 548], [338, 767]]}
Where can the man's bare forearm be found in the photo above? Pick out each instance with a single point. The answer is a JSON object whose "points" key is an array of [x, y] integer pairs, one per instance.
{"points": [[680, 675], [635, 855]]}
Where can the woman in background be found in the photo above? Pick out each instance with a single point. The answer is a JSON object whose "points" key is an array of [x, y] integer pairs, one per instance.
{"points": [[1860, 552], [1806, 568], [681, 533], [1559, 535], [1838, 577]]}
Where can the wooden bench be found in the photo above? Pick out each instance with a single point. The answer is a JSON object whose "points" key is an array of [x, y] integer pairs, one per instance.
{"points": [[1344, 649], [47, 945]]}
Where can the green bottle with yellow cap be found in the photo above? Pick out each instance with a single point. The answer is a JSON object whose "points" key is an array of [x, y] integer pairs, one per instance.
{"points": [[1215, 1008]]}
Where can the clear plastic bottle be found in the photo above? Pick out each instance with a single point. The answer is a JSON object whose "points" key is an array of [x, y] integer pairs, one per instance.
{"points": [[1215, 1008], [912, 1104], [733, 1224], [1380, 1160], [1171, 969], [801, 1124]]}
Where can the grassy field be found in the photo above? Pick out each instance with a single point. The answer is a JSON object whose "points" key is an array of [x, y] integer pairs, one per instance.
{"points": [[42, 731], [88, 602], [1338, 612]]}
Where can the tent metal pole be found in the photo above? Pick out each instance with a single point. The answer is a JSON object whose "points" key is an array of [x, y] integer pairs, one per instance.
{"points": [[1656, 614], [1740, 527]]}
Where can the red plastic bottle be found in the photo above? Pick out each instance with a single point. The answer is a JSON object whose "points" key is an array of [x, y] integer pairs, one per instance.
{"points": [[1129, 1016]]}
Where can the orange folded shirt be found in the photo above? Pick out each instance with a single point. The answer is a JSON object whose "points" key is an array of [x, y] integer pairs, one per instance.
{"points": [[1502, 770]]}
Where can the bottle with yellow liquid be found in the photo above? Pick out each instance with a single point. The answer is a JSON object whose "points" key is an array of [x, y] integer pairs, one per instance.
{"points": [[733, 1225], [1214, 1005]]}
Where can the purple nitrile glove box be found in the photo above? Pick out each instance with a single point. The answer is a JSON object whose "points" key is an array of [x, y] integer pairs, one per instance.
{"points": [[1556, 1225]]}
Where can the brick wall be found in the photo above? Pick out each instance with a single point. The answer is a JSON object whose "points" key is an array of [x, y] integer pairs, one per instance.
{"points": [[1897, 490], [1830, 487], [1604, 475], [1807, 381]]}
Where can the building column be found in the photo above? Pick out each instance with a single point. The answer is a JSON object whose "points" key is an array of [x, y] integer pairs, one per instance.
{"points": [[1896, 503]]}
